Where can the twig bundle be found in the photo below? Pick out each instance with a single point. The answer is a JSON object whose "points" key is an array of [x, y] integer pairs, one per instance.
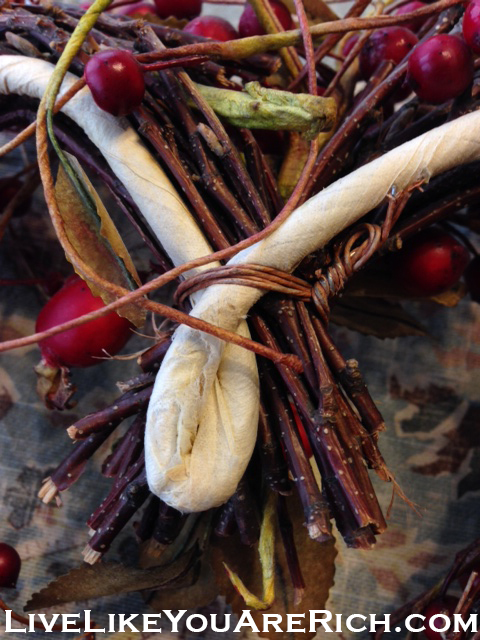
{"points": [[208, 396]]}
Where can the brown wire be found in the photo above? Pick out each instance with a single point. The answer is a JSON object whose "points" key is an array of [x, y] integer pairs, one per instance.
{"points": [[348, 257]]}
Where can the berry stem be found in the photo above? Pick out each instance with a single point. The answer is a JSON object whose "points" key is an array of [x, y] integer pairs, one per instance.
{"points": [[187, 61]]}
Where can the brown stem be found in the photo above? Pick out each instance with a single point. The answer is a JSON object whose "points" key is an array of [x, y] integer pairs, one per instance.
{"points": [[350, 377], [308, 47], [168, 525], [273, 462], [211, 177], [126, 450], [125, 406], [350, 58], [316, 510], [135, 494], [150, 130], [188, 61], [245, 510], [225, 523], [151, 359], [286, 532], [272, 24], [330, 41]]}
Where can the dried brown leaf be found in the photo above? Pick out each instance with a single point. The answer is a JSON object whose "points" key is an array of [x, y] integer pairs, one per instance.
{"points": [[203, 589], [200, 593], [317, 561], [110, 578], [451, 297], [96, 239], [377, 283], [375, 317]]}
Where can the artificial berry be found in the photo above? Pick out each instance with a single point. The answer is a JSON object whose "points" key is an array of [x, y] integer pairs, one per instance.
{"points": [[250, 26], [432, 262], [187, 9], [446, 606], [391, 43], [441, 68], [116, 81], [416, 23], [10, 564], [349, 44], [471, 25], [137, 9], [83, 345], [472, 278], [212, 27]]}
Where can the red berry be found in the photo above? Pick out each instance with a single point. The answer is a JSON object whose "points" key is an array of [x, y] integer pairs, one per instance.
{"points": [[472, 279], [10, 564], [83, 345], [437, 607], [212, 27], [250, 26], [471, 25], [137, 9], [417, 23], [116, 81], [349, 44], [391, 43], [187, 9], [441, 68], [432, 262]]}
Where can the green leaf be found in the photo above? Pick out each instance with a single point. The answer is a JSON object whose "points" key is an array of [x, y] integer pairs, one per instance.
{"points": [[94, 236]]}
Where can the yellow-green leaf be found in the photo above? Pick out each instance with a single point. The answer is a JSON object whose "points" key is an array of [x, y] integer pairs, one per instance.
{"points": [[317, 562]]}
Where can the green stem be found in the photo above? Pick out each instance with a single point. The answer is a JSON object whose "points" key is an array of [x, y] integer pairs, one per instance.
{"points": [[47, 103]]}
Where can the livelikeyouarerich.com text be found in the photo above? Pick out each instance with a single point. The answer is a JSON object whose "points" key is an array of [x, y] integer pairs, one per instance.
{"points": [[176, 621]]}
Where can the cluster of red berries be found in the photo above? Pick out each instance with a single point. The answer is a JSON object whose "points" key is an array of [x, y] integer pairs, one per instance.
{"points": [[439, 69], [108, 72]]}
